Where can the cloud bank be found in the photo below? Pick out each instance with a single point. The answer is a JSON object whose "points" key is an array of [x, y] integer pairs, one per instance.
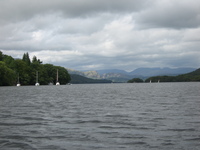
{"points": [[91, 35]]}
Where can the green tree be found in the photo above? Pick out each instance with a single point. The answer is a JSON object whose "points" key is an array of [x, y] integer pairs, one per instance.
{"points": [[64, 76], [51, 70], [7, 75], [9, 61], [26, 58], [35, 60], [1, 56], [43, 78], [24, 71]]}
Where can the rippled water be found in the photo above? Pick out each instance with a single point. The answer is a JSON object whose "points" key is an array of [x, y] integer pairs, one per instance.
{"points": [[101, 116]]}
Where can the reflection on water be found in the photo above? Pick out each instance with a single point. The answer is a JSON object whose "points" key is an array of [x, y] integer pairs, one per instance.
{"points": [[101, 116]]}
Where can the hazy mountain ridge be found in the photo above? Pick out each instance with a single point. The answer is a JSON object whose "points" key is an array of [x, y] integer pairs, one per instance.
{"points": [[117, 75], [147, 72], [78, 79], [106, 71], [88, 74]]}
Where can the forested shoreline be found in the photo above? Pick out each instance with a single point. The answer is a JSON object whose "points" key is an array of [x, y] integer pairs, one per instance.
{"points": [[188, 77], [25, 69]]}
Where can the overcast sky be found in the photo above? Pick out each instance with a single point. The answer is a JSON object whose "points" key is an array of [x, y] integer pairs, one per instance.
{"points": [[103, 34]]}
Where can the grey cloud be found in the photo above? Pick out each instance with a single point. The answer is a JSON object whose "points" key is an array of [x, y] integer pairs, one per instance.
{"points": [[24, 10], [183, 60], [171, 14], [86, 26]]}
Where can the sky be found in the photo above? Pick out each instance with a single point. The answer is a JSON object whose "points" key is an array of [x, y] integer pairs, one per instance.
{"points": [[103, 34]]}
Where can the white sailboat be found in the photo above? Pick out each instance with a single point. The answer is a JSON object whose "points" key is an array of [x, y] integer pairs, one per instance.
{"points": [[37, 83], [18, 83], [57, 83]]}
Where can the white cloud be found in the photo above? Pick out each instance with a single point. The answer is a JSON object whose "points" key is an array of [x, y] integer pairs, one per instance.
{"points": [[103, 34]]}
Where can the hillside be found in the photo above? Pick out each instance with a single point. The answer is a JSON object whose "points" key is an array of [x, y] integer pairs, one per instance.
{"points": [[193, 76], [88, 74], [147, 72], [194, 73], [188, 77], [78, 79]]}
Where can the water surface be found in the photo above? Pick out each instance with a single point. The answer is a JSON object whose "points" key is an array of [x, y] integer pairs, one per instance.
{"points": [[101, 116]]}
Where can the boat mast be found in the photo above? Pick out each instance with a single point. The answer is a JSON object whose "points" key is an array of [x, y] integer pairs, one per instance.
{"points": [[57, 76], [18, 84], [57, 83], [37, 84], [36, 76], [18, 78]]}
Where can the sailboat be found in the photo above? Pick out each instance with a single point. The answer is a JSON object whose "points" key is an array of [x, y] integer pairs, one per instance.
{"points": [[57, 83], [18, 84], [37, 83]]}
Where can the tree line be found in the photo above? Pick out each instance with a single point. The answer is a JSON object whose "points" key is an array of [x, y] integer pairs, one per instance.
{"points": [[25, 69], [189, 77]]}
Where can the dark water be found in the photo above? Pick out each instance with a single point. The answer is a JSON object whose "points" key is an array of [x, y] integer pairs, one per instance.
{"points": [[101, 116]]}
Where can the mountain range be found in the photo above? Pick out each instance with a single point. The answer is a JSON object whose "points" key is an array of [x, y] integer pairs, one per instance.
{"points": [[117, 75]]}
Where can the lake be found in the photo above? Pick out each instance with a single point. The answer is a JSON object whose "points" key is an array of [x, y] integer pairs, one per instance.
{"points": [[101, 116]]}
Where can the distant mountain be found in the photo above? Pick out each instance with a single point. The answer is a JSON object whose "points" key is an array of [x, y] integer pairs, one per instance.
{"points": [[114, 74], [78, 79], [88, 74], [117, 75], [101, 72], [147, 72], [72, 71]]}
